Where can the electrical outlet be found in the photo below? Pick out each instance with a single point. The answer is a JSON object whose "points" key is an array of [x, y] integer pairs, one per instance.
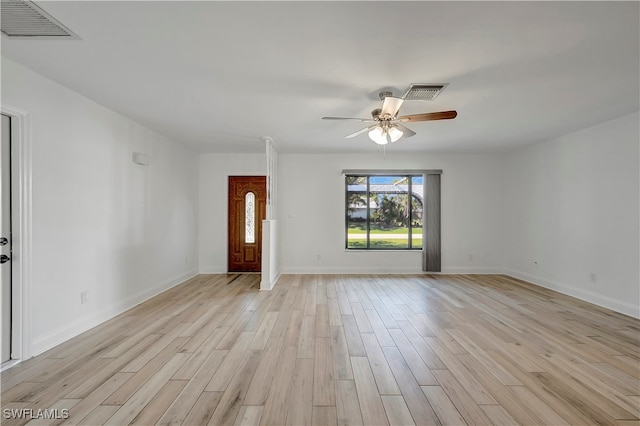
{"points": [[84, 297], [593, 277]]}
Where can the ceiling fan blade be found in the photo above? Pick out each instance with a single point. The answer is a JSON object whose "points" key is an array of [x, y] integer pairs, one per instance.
{"points": [[390, 107], [429, 116], [361, 131], [364, 120], [406, 132]]}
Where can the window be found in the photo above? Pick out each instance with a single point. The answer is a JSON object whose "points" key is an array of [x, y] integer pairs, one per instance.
{"points": [[249, 218], [384, 212]]}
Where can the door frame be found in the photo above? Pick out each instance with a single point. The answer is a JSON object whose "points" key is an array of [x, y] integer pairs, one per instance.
{"points": [[229, 176], [21, 226]]}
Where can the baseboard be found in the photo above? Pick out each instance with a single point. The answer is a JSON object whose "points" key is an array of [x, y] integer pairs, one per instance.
{"points": [[472, 270], [348, 270], [65, 333], [270, 285], [387, 270], [586, 295]]}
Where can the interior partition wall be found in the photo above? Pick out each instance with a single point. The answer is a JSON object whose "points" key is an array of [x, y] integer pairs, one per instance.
{"points": [[270, 241]]}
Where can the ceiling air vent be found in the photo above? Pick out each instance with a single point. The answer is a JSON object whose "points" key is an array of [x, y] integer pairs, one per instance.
{"points": [[424, 92], [23, 19]]}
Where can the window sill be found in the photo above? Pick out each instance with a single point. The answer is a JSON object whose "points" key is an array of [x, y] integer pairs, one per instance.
{"points": [[383, 250]]}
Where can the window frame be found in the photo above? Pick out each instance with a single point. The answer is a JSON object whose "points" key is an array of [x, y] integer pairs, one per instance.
{"points": [[410, 197]]}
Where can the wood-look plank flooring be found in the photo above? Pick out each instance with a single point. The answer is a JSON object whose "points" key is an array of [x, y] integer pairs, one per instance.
{"points": [[342, 349]]}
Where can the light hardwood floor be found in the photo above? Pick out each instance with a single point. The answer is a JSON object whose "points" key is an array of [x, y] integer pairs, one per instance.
{"points": [[343, 349]]}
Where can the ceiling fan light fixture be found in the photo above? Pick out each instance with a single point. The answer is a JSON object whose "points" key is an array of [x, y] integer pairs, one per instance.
{"points": [[394, 133], [379, 136], [382, 135]]}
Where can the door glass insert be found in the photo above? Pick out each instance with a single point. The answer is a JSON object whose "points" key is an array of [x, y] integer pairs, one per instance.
{"points": [[249, 217]]}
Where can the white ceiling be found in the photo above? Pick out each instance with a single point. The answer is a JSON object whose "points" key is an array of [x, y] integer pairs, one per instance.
{"points": [[218, 76]]}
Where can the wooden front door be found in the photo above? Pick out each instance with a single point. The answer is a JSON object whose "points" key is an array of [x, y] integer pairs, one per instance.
{"points": [[247, 210]]}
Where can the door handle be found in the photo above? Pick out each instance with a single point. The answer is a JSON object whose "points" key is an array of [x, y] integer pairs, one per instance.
{"points": [[3, 241], [4, 258]]}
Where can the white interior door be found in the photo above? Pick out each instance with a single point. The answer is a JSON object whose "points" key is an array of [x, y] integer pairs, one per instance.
{"points": [[5, 239]]}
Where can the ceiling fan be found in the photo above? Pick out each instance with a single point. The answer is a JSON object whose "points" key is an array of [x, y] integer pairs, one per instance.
{"points": [[386, 125]]}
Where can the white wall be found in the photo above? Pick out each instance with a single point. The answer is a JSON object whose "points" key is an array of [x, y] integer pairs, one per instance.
{"points": [[215, 170], [573, 207], [101, 224], [312, 217], [270, 251]]}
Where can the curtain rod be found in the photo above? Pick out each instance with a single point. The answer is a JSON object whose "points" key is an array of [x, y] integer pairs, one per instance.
{"points": [[391, 172]]}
